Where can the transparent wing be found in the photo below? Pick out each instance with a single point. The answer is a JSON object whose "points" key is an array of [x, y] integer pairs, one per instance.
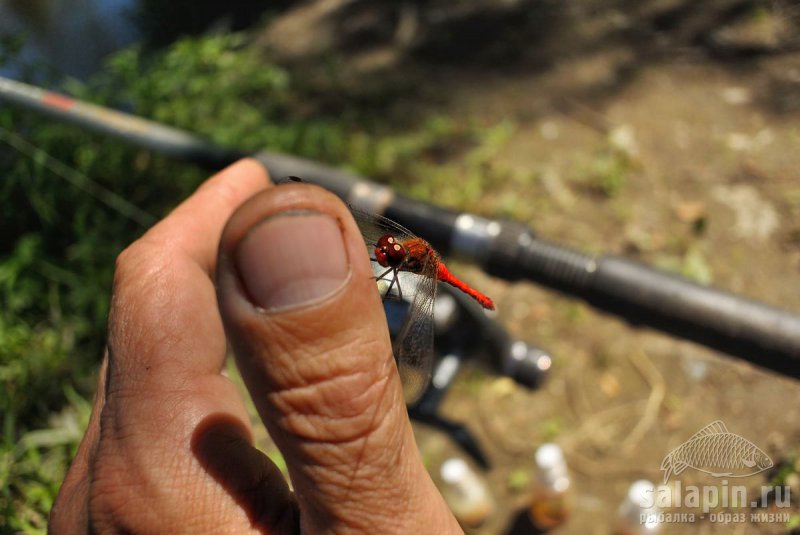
{"points": [[413, 345]]}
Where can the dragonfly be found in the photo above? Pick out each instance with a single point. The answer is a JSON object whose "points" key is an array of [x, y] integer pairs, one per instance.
{"points": [[395, 251]]}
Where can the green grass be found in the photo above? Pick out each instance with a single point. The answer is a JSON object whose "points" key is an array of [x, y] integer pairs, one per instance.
{"points": [[33, 464]]}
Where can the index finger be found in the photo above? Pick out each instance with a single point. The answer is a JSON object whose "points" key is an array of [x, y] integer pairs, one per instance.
{"points": [[195, 226], [164, 304]]}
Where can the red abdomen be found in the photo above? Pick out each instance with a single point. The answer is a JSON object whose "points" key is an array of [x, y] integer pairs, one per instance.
{"points": [[443, 274]]}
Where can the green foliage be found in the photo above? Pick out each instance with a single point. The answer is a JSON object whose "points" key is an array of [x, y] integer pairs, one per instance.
{"points": [[32, 467]]}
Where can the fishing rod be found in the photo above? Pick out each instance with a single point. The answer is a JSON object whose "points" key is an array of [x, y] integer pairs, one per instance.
{"points": [[644, 296]]}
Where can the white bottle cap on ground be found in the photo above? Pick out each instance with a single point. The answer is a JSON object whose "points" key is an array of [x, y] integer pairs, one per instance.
{"points": [[465, 492], [638, 512], [552, 467]]}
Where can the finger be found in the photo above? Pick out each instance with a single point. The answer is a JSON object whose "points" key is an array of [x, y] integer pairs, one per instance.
{"points": [[169, 412], [70, 512], [164, 301], [305, 320]]}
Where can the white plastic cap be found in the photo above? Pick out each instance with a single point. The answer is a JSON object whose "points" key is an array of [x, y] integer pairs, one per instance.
{"points": [[549, 455], [454, 470]]}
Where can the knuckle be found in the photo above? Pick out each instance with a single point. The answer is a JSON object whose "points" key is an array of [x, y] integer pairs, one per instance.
{"points": [[140, 302], [141, 269], [224, 192], [137, 263], [133, 264]]}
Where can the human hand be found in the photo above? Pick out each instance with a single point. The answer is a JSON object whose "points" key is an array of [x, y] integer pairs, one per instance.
{"points": [[169, 445]]}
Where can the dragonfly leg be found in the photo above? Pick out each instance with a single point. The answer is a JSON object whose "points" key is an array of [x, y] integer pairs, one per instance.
{"points": [[382, 275], [394, 280]]}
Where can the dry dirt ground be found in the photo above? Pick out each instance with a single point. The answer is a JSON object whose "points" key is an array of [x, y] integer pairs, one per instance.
{"points": [[670, 155], [619, 399]]}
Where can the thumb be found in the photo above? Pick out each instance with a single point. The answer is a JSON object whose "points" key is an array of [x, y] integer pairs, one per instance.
{"points": [[304, 318]]}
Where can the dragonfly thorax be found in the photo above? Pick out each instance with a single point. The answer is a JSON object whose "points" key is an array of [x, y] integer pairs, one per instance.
{"points": [[389, 252]]}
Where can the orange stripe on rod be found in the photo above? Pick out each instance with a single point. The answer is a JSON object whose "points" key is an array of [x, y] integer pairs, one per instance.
{"points": [[58, 101]]}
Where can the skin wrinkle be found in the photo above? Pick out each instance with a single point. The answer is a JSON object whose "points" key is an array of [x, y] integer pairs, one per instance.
{"points": [[353, 355], [394, 505], [151, 436], [365, 477], [298, 362], [376, 433], [258, 496], [322, 473], [119, 455], [144, 499], [289, 402], [123, 397], [351, 515], [112, 497], [358, 361], [184, 409], [323, 398], [141, 393], [334, 452], [365, 399], [221, 503], [170, 480], [351, 378], [327, 429]]}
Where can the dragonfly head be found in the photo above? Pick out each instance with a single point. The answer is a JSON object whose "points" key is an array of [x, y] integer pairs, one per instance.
{"points": [[389, 252]]}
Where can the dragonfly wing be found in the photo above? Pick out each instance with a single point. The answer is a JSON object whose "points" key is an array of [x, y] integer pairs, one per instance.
{"points": [[413, 348]]}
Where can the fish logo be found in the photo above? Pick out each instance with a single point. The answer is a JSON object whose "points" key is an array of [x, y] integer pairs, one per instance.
{"points": [[716, 451]]}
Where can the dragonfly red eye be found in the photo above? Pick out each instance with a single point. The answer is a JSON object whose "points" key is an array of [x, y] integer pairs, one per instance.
{"points": [[389, 252]]}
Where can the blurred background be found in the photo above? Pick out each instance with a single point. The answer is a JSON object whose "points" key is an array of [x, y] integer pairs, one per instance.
{"points": [[664, 130]]}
